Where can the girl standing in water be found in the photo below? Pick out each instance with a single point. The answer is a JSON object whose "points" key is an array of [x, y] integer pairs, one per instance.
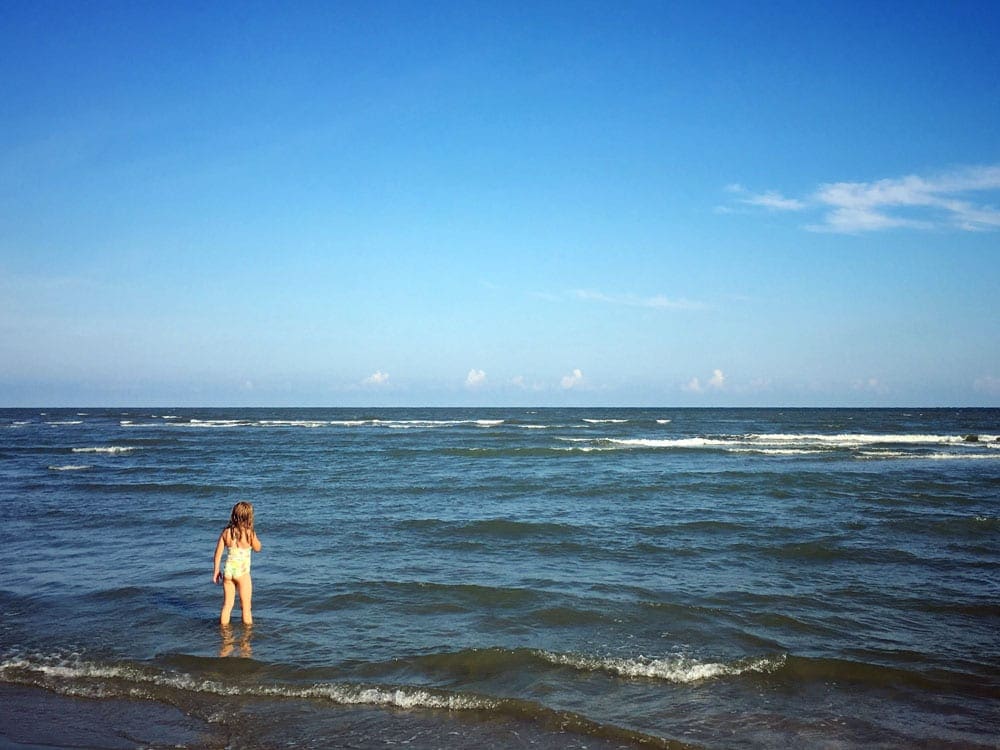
{"points": [[239, 538]]}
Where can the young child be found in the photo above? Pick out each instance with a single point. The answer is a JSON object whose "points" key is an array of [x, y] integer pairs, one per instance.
{"points": [[239, 538]]}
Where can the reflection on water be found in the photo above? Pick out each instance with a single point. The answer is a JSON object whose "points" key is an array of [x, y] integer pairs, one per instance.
{"points": [[243, 647]]}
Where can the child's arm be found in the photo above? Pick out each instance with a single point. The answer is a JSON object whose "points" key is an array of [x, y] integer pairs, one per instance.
{"points": [[218, 557], [255, 542]]}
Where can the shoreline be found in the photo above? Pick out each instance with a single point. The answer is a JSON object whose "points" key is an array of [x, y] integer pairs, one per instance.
{"points": [[34, 717]]}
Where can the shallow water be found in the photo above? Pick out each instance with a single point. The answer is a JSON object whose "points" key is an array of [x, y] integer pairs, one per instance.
{"points": [[720, 578]]}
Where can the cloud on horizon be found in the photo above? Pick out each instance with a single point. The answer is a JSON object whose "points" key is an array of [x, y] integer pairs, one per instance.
{"points": [[573, 380], [376, 378], [715, 383], [910, 202], [475, 378]]}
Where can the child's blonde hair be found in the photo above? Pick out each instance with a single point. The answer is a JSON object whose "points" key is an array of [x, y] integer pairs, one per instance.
{"points": [[240, 526]]}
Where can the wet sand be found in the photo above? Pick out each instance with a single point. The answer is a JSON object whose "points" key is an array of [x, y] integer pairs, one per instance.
{"points": [[36, 718]]}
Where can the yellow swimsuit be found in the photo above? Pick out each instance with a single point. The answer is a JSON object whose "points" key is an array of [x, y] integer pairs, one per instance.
{"points": [[237, 562]]}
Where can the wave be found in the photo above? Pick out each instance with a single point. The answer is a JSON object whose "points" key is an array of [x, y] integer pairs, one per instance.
{"points": [[65, 422], [678, 669], [76, 675], [791, 444], [963, 456], [675, 669], [114, 449], [315, 423], [79, 677], [859, 439], [606, 421], [69, 467]]}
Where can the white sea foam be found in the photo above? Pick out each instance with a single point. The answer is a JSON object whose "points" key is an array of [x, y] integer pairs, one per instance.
{"points": [[852, 439], [311, 423], [64, 672], [961, 456], [678, 669], [403, 424], [489, 422], [694, 442], [777, 451], [65, 422], [69, 467], [797, 444], [106, 449], [664, 421], [606, 421]]}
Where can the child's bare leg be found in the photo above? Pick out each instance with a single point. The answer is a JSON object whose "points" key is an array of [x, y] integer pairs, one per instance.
{"points": [[227, 640], [246, 594], [228, 600]]}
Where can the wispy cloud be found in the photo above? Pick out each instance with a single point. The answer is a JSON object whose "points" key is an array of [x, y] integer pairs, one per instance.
{"points": [[771, 199], [914, 202], [376, 378], [871, 385], [659, 301]]}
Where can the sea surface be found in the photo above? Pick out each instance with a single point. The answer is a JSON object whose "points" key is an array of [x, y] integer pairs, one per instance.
{"points": [[714, 578]]}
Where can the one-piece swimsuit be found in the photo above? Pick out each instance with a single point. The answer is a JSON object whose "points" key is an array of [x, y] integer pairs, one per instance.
{"points": [[237, 562]]}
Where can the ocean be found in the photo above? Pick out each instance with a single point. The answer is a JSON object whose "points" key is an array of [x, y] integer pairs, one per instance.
{"points": [[553, 578]]}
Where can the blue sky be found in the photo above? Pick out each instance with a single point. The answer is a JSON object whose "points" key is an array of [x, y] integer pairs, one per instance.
{"points": [[391, 203]]}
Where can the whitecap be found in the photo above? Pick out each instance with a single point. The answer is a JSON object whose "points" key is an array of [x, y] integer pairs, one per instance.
{"points": [[960, 456], [677, 669], [694, 442], [106, 449], [69, 467], [73, 668]]}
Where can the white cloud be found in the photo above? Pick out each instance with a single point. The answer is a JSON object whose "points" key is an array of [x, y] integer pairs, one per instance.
{"points": [[871, 385], [771, 199], [658, 301], [376, 378], [519, 381], [475, 378], [572, 380], [912, 202], [715, 383], [693, 386]]}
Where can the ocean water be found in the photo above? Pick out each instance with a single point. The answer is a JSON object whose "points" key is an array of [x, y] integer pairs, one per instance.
{"points": [[716, 578]]}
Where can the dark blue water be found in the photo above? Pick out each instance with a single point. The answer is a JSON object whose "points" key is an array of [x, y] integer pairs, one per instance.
{"points": [[719, 578]]}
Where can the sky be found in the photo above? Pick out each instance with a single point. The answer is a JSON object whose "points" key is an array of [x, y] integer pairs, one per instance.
{"points": [[499, 203]]}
